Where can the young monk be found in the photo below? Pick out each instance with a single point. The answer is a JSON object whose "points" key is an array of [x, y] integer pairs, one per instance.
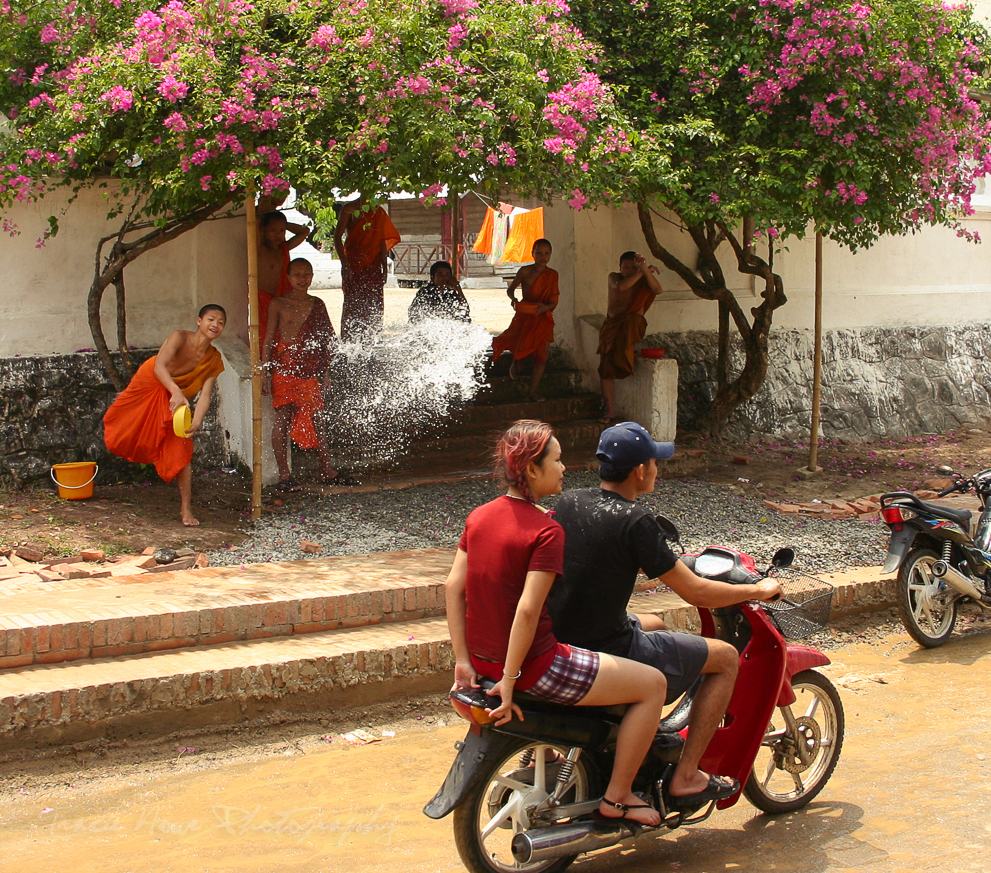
{"points": [[441, 297], [363, 238], [299, 347], [631, 291], [273, 261], [532, 328], [138, 426]]}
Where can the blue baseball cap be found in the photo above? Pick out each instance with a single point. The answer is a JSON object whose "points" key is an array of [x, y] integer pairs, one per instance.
{"points": [[627, 445]]}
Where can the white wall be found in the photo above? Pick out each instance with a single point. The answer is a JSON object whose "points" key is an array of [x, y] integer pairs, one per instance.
{"points": [[932, 277], [43, 295]]}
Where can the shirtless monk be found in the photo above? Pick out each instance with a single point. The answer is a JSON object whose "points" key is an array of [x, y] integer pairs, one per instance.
{"points": [[273, 261], [297, 353], [370, 235], [631, 292], [138, 426], [532, 328]]}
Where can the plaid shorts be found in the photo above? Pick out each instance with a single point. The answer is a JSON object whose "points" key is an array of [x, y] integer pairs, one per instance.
{"points": [[569, 677]]}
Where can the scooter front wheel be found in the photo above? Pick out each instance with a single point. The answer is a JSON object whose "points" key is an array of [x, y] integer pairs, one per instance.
{"points": [[927, 605], [800, 749], [507, 794]]}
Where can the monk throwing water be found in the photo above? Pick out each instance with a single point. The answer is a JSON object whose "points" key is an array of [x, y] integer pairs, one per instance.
{"points": [[299, 347], [364, 237], [138, 426], [532, 328]]}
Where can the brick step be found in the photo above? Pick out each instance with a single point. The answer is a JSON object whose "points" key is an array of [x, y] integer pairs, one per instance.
{"points": [[132, 615], [553, 409], [165, 691], [470, 449], [556, 383]]}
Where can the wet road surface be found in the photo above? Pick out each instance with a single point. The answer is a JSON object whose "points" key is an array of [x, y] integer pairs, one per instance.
{"points": [[912, 792]]}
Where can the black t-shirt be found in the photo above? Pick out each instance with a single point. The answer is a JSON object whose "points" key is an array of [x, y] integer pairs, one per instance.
{"points": [[607, 541]]}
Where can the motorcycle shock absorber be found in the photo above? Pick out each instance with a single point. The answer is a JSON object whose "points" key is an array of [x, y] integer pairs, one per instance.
{"points": [[947, 551], [526, 757], [564, 776]]}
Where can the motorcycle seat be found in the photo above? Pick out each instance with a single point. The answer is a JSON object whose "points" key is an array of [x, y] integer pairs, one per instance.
{"points": [[960, 516]]}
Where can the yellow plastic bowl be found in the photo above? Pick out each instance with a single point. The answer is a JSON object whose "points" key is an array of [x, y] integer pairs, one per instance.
{"points": [[182, 421]]}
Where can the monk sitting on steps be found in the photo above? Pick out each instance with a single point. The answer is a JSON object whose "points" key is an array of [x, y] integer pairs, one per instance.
{"points": [[532, 328], [138, 426], [299, 347], [631, 292]]}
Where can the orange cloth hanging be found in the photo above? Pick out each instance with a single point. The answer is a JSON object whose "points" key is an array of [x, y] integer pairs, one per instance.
{"points": [[483, 240], [527, 228], [138, 426], [531, 334]]}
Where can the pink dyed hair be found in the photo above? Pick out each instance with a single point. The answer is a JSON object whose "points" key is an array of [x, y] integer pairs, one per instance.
{"points": [[523, 444]]}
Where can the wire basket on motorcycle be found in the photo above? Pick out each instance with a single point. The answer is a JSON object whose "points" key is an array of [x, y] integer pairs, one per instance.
{"points": [[804, 606]]}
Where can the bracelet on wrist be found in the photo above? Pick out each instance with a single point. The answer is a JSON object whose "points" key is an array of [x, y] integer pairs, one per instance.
{"points": [[516, 676]]}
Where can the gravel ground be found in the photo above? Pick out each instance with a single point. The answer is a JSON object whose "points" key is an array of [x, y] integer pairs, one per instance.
{"points": [[430, 516]]}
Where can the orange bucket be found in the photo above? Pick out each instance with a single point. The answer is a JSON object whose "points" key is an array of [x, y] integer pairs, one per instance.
{"points": [[75, 481]]}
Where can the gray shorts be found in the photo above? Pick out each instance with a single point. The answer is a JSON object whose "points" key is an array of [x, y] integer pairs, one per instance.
{"points": [[679, 656]]}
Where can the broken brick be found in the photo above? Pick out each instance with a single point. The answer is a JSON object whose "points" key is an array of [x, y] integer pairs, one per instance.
{"points": [[93, 556], [310, 548], [30, 553]]}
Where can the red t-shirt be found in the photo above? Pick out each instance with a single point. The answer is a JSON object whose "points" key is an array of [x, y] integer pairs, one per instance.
{"points": [[505, 540]]}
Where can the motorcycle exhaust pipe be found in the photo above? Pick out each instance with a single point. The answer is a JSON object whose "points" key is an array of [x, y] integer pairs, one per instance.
{"points": [[561, 841], [958, 582]]}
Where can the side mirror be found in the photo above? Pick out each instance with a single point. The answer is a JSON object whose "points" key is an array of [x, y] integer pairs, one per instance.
{"points": [[783, 558], [669, 531]]}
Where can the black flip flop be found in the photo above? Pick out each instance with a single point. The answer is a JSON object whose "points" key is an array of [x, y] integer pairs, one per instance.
{"points": [[288, 484], [718, 788], [342, 479], [622, 819]]}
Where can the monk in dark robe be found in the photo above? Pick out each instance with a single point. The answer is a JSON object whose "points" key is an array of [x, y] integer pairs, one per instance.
{"points": [[298, 350], [631, 292], [138, 426], [532, 328], [363, 239], [273, 261]]}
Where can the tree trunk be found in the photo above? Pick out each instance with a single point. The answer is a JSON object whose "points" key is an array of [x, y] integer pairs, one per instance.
{"points": [[111, 272], [707, 281]]}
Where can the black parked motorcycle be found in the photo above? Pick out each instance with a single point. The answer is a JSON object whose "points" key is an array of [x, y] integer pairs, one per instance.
{"points": [[940, 565]]}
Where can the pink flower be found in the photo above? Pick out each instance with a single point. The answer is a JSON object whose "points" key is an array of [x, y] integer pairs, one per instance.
{"points": [[120, 99], [205, 182], [578, 200], [173, 90], [176, 123]]}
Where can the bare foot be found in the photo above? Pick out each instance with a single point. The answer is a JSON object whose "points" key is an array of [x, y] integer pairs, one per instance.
{"points": [[189, 520], [680, 786]]}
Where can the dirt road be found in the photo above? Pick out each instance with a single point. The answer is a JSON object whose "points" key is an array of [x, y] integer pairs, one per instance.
{"points": [[910, 794]]}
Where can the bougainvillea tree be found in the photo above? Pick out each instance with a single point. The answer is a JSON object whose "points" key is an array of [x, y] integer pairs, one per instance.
{"points": [[777, 118], [188, 104]]}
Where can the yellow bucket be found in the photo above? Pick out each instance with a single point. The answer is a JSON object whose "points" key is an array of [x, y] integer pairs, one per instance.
{"points": [[75, 481]]}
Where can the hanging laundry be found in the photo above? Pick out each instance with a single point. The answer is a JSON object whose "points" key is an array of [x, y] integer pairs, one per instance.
{"points": [[527, 228], [500, 233], [483, 240]]}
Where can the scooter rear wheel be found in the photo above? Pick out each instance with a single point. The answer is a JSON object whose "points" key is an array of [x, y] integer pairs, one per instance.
{"points": [[927, 605], [780, 780], [485, 824]]}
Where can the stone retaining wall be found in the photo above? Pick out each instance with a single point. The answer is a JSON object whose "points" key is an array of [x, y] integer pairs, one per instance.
{"points": [[877, 383], [51, 411]]}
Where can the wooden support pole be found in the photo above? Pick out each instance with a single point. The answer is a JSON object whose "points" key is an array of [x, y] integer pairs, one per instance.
{"points": [[816, 362], [455, 234], [255, 344]]}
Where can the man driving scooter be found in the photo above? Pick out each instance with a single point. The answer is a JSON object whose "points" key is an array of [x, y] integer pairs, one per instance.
{"points": [[609, 539]]}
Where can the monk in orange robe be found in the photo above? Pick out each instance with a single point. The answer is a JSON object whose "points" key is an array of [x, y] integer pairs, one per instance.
{"points": [[138, 426], [273, 261], [370, 236], [631, 292], [298, 351], [532, 328]]}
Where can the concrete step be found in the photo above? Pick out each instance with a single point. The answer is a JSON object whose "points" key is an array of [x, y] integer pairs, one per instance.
{"points": [[57, 622], [163, 692], [159, 692], [553, 409], [556, 383]]}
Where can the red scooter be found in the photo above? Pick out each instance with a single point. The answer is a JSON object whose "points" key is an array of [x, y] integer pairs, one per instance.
{"points": [[523, 793]]}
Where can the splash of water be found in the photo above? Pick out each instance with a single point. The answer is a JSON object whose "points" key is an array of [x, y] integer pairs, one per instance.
{"points": [[405, 383]]}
